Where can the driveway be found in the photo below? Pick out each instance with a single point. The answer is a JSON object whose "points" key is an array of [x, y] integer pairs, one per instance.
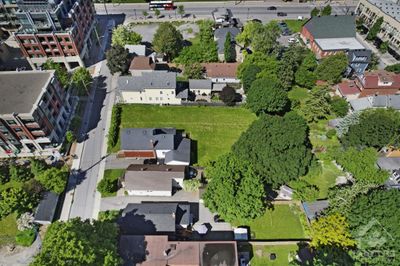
{"points": [[120, 202], [21, 256], [205, 216], [112, 162]]}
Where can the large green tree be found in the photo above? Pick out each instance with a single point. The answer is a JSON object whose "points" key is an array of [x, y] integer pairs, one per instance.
{"points": [[249, 75], [228, 95], [61, 72], [326, 11], [246, 36], [229, 49], [361, 163], [305, 75], [19, 172], [278, 147], [193, 71], [122, 36], [16, 200], [265, 38], [267, 96], [77, 242], [374, 30], [82, 79], [331, 230], [38, 166], [374, 224], [53, 179], [267, 64], [339, 106], [376, 128], [316, 106], [332, 67], [234, 191], [117, 59], [289, 63], [168, 40]]}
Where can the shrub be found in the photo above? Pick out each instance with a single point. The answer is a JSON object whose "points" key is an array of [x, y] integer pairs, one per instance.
{"points": [[110, 215], [114, 127], [331, 133], [25, 221], [19, 172], [228, 96], [4, 178], [107, 186], [25, 238], [339, 106], [304, 191], [191, 185]]}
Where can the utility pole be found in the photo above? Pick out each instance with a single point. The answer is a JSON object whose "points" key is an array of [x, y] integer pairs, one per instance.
{"points": [[134, 10], [248, 11]]}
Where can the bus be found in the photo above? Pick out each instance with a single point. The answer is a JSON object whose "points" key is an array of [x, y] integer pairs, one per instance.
{"points": [[161, 4]]}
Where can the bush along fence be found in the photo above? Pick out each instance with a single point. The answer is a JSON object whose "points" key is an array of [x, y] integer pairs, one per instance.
{"points": [[114, 127]]}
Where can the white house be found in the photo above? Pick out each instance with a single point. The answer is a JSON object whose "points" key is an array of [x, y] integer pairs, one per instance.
{"points": [[153, 179], [155, 87], [138, 49], [200, 86]]}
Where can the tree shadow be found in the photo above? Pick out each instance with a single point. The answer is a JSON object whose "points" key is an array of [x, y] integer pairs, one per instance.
{"points": [[133, 249], [132, 223]]}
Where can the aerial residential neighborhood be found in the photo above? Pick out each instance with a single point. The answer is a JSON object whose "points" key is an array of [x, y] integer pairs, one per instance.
{"points": [[194, 132]]}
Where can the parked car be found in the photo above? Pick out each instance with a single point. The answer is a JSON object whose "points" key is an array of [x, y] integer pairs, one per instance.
{"points": [[256, 20], [293, 40], [286, 32], [218, 219], [271, 8], [281, 14], [300, 18]]}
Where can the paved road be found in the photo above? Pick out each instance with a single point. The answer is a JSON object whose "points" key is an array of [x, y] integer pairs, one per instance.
{"points": [[85, 196], [243, 11]]}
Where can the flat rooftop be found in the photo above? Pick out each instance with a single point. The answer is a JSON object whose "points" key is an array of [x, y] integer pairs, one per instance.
{"points": [[339, 44], [20, 90]]}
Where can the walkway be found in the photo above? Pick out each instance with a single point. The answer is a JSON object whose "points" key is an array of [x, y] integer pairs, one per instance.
{"points": [[21, 256]]}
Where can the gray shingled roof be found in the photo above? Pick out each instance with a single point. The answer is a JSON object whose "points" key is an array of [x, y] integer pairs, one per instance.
{"points": [[331, 26], [153, 217], [181, 154], [313, 209], [380, 101], [145, 138], [220, 36], [196, 84], [388, 163], [360, 104], [20, 90], [148, 80], [47, 208]]}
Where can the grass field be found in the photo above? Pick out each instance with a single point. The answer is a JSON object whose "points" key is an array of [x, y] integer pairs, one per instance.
{"points": [[112, 174], [283, 222], [212, 129], [294, 25], [261, 255], [8, 229]]}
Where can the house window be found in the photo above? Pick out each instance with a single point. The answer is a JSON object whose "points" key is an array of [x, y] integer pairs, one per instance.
{"points": [[150, 99], [141, 98], [11, 122], [172, 92], [160, 98], [160, 92], [156, 98]]}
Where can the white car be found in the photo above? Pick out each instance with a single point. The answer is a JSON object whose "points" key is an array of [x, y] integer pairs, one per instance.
{"points": [[300, 18], [293, 40]]}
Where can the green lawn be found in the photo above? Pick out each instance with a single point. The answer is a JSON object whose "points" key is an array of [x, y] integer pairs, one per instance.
{"points": [[112, 174], [261, 255], [283, 222], [212, 129], [8, 229], [295, 25]]}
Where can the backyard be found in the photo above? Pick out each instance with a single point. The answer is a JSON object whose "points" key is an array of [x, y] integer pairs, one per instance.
{"points": [[8, 229], [261, 255], [294, 24], [213, 130], [284, 221]]}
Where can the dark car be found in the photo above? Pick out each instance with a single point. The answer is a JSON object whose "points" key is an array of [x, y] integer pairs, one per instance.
{"points": [[271, 8], [256, 20], [218, 219], [281, 14], [286, 32]]}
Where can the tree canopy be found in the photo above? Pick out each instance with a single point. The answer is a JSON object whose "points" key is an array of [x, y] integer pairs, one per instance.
{"points": [[53, 179], [393, 68], [77, 242], [19, 172], [374, 30], [229, 49], [117, 59], [234, 191], [362, 165], [332, 67], [193, 71], [277, 147], [228, 96], [289, 63], [81, 79], [305, 75], [316, 106], [15, 200], [262, 38], [249, 75], [326, 11], [376, 128], [374, 223], [331, 230], [246, 36], [168, 40], [267, 64], [122, 36], [267, 96], [339, 106]]}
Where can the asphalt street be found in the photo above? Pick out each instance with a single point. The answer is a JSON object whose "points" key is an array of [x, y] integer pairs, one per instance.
{"points": [[94, 123], [243, 11]]}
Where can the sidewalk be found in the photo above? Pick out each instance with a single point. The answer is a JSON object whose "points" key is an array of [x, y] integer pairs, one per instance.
{"points": [[384, 59]]}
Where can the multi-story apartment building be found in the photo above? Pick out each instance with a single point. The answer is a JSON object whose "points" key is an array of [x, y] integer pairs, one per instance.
{"points": [[34, 112], [60, 30], [8, 19], [370, 10]]}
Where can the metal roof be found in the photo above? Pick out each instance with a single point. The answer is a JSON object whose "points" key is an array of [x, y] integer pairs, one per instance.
{"points": [[148, 80], [195, 84], [332, 26], [46, 209]]}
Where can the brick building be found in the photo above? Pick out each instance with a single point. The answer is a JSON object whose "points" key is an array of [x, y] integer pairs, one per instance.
{"points": [[329, 35], [8, 19], [60, 30], [34, 112]]}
